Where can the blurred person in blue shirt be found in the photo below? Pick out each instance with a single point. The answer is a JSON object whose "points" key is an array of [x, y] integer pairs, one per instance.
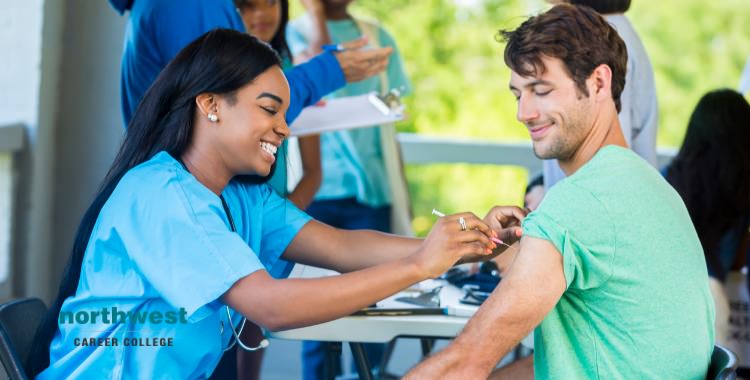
{"points": [[158, 29]]}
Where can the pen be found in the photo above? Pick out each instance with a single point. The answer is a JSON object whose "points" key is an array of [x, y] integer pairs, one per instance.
{"points": [[496, 240], [333, 48]]}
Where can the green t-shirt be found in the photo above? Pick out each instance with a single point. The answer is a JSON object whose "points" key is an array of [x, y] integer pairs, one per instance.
{"points": [[637, 303]]}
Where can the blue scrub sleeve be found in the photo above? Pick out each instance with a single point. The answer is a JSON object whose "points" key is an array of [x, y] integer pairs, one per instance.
{"points": [[278, 236], [180, 240], [310, 81], [266, 221]]}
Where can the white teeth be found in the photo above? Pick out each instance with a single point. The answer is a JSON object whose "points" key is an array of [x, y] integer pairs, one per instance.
{"points": [[268, 147]]}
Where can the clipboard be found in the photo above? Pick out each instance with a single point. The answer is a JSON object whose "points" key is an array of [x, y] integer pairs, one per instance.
{"points": [[398, 312], [394, 306], [348, 113]]}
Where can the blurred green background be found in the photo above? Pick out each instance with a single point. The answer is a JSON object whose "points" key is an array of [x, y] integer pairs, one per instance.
{"points": [[460, 81]]}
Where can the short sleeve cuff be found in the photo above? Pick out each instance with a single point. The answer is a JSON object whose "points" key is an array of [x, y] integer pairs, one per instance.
{"points": [[236, 262], [295, 220], [540, 226]]}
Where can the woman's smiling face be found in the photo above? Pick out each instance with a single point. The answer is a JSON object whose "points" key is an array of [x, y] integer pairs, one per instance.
{"points": [[252, 125]]}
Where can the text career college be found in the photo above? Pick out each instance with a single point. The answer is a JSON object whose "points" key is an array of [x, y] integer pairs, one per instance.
{"points": [[127, 342]]}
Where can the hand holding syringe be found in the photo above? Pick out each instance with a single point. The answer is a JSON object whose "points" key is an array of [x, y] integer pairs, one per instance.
{"points": [[494, 239]]}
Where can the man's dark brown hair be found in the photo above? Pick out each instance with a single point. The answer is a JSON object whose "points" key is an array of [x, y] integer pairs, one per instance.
{"points": [[604, 6], [576, 35]]}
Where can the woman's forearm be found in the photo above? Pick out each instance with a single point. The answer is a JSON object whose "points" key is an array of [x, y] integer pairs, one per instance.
{"points": [[392, 263], [373, 248], [297, 302], [323, 246]]}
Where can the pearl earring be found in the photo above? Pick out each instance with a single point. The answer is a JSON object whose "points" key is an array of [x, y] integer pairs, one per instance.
{"points": [[213, 117]]}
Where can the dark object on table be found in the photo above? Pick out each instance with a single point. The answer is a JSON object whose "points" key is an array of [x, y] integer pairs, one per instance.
{"points": [[477, 286], [484, 282], [430, 298]]}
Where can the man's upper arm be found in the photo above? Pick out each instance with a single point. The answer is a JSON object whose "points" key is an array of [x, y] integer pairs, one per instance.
{"points": [[533, 286], [534, 283], [538, 267]]}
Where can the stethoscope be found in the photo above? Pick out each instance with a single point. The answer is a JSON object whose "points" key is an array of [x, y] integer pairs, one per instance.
{"points": [[235, 334]]}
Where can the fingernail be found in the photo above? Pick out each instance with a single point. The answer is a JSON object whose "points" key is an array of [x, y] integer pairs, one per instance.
{"points": [[494, 234], [489, 251]]}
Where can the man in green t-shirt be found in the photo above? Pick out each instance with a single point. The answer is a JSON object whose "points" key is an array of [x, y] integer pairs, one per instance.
{"points": [[609, 270]]}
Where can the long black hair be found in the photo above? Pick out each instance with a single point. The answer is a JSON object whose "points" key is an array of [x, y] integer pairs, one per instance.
{"points": [[278, 42], [220, 62], [711, 172]]}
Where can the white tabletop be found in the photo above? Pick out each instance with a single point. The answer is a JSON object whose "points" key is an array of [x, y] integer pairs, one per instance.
{"points": [[382, 329]]}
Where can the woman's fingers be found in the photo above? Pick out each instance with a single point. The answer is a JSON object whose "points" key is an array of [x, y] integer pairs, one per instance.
{"points": [[378, 66], [505, 221], [361, 64], [471, 221], [472, 236], [465, 228], [474, 249], [456, 238], [507, 214], [354, 44], [510, 234]]}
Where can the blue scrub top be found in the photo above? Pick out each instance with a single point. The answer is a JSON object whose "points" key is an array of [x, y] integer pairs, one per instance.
{"points": [[162, 249]]}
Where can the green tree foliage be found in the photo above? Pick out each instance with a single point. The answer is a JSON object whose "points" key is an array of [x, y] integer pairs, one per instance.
{"points": [[695, 46], [461, 83]]}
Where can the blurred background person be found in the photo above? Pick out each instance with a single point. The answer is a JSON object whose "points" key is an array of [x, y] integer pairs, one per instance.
{"points": [[267, 20], [711, 172], [356, 190]]}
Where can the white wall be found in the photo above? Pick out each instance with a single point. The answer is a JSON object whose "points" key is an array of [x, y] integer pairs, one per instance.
{"points": [[60, 78], [5, 211], [89, 126], [21, 89], [21, 44]]}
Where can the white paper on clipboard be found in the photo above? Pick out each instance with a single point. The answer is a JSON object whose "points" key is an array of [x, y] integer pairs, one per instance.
{"points": [[345, 113]]}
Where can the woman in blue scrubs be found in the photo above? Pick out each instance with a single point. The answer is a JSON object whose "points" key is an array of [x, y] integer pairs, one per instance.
{"points": [[177, 246]]}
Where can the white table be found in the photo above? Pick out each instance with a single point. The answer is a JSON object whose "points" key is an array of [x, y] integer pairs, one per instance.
{"points": [[381, 329]]}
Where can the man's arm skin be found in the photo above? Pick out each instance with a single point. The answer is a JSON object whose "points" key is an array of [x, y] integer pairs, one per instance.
{"points": [[521, 369], [533, 285]]}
